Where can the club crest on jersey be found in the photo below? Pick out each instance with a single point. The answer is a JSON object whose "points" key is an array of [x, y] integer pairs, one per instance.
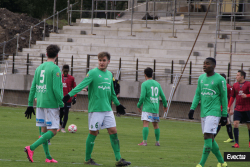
{"points": [[201, 81], [58, 74], [212, 82], [100, 75]]}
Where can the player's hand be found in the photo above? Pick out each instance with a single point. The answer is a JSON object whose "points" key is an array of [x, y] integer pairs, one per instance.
{"points": [[36, 100], [165, 109], [120, 109], [191, 114], [243, 95], [228, 109], [139, 110], [223, 121], [29, 112], [74, 100], [117, 95], [231, 112], [66, 98], [61, 110], [85, 90]]}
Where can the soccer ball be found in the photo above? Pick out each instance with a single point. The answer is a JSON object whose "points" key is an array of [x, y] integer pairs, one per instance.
{"points": [[72, 128]]}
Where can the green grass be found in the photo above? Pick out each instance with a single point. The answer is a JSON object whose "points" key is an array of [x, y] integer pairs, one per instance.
{"points": [[61, 23], [181, 143]]}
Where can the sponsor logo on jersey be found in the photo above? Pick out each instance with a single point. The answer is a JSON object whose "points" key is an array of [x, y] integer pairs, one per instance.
{"points": [[104, 87], [58, 74], [106, 78], [87, 75], [208, 92], [212, 82], [206, 84], [41, 88], [201, 81], [154, 100], [240, 92], [65, 85]]}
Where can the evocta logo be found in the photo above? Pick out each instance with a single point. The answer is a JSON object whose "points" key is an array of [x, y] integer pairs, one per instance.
{"points": [[237, 156]]}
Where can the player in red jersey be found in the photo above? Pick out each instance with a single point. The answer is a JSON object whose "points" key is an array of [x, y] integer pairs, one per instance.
{"points": [[240, 91], [228, 125], [68, 84]]}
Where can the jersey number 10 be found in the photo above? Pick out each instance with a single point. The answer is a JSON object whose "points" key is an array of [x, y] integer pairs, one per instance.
{"points": [[154, 91]]}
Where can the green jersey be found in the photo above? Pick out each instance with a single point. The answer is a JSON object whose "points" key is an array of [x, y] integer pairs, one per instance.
{"points": [[100, 90], [150, 92], [47, 86], [212, 92]]}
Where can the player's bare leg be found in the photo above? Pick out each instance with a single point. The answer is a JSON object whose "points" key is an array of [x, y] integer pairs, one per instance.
{"points": [[157, 133]]}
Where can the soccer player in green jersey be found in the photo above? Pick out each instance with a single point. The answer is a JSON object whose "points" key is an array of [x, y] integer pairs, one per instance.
{"points": [[150, 92], [100, 115], [47, 85], [212, 93]]}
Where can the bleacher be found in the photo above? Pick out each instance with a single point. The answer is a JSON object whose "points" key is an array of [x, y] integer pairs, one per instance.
{"points": [[146, 45]]}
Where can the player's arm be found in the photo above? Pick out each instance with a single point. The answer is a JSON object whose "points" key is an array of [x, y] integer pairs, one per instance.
{"points": [[58, 86], [163, 98], [223, 92], [196, 100], [246, 95], [74, 84], [197, 96], [142, 96], [113, 95], [233, 95], [32, 91], [118, 87], [85, 82]]}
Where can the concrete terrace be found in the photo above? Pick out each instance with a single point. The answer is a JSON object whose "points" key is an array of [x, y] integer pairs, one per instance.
{"points": [[146, 45]]}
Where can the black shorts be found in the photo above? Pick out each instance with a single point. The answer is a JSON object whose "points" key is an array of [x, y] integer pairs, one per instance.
{"points": [[67, 105], [242, 116]]}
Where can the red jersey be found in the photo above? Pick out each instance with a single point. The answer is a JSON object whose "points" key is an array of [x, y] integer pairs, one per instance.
{"points": [[229, 89], [68, 84], [242, 104]]}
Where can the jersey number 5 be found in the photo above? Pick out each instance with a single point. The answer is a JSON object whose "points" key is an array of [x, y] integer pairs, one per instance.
{"points": [[42, 76], [154, 91]]}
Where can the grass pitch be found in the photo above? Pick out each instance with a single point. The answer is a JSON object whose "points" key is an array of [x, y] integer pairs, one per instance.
{"points": [[181, 143]]}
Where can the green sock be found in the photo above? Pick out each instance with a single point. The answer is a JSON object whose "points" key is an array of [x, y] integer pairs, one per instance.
{"points": [[115, 145], [206, 150], [44, 138], [89, 146], [157, 134], [216, 151], [145, 133], [40, 130], [46, 149]]}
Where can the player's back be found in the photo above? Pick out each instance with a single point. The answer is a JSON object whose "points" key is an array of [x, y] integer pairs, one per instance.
{"points": [[46, 79], [152, 90]]}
